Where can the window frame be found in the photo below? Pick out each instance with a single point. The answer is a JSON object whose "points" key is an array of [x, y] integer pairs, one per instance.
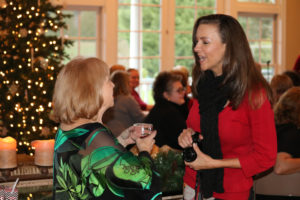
{"points": [[79, 37], [108, 43]]}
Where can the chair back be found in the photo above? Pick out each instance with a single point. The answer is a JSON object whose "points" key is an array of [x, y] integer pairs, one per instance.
{"points": [[270, 183]]}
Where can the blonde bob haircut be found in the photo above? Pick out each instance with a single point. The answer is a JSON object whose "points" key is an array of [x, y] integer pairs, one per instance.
{"points": [[78, 90]]}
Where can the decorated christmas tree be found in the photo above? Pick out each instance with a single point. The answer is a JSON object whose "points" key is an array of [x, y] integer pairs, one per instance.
{"points": [[31, 55]]}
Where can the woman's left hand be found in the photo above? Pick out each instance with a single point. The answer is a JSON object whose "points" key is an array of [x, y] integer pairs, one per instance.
{"points": [[128, 136], [203, 161]]}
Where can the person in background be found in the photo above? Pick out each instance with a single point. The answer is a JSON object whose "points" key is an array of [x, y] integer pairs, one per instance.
{"points": [[89, 162], [126, 110], [294, 76], [232, 112], [184, 73], [279, 84], [287, 118], [166, 115], [116, 67], [134, 79], [296, 67]]}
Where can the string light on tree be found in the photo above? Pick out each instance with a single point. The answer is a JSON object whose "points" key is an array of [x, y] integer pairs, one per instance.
{"points": [[30, 59]]}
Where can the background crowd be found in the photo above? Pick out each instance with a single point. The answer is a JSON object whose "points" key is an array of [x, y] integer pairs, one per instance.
{"points": [[246, 125]]}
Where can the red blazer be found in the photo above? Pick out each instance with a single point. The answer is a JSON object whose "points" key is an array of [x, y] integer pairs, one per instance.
{"points": [[246, 134]]}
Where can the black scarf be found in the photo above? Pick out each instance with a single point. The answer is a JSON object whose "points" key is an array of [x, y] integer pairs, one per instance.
{"points": [[212, 97]]}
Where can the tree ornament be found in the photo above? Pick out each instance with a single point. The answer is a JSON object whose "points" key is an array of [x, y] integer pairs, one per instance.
{"points": [[45, 132], [26, 95], [13, 89], [43, 62], [3, 129], [23, 32]]}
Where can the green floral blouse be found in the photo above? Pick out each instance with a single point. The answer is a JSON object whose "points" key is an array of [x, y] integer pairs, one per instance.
{"points": [[89, 163]]}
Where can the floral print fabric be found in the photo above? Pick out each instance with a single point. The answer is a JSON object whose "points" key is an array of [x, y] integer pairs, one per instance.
{"points": [[89, 163]]}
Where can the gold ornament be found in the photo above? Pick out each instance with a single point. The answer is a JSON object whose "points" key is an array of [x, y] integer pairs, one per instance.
{"points": [[23, 33], [13, 89]]}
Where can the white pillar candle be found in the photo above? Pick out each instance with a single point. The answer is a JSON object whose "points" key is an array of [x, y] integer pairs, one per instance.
{"points": [[44, 150], [8, 154]]}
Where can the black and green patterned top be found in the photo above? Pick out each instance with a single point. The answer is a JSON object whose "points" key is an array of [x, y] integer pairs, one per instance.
{"points": [[89, 163]]}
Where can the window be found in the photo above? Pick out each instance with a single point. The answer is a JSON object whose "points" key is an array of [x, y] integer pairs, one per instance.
{"points": [[258, 1], [259, 30], [187, 11], [156, 35], [82, 29], [139, 33]]}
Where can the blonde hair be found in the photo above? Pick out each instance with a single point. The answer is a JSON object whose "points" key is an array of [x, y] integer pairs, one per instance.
{"points": [[78, 90]]}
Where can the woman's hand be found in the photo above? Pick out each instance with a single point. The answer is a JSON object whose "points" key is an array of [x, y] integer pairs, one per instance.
{"points": [[202, 161], [185, 138], [128, 136], [146, 143]]}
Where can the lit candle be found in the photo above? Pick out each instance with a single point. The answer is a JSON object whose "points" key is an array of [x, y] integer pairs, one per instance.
{"points": [[8, 154], [44, 150]]}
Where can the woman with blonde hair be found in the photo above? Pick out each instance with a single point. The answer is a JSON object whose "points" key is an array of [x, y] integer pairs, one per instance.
{"points": [[89, 162]]}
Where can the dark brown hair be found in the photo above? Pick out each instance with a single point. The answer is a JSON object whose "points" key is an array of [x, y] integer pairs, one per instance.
{"points": [[163, 83], [279, 84], [120, 79], [239, 68], [287, 109]]}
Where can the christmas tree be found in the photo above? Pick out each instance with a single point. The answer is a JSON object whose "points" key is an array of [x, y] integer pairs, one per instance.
{"points": [[31, 55]]}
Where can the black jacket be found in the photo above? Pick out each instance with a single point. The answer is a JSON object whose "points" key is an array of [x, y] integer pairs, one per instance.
{"points": [[169, 121]]}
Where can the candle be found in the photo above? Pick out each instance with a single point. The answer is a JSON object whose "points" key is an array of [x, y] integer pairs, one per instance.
{"points": [[44, 150], [8, 154]]}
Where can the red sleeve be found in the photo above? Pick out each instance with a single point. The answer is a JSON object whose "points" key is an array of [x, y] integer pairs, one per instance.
{"points": [[138, 99], [264, 151]]}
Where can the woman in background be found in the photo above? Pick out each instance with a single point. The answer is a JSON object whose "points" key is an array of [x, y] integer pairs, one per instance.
{"points": [[134, 82], [89, 162], [126, 110], [294, 76], [184, 73], [166, 115], [232, 111], [287, 118], [279, 84]]}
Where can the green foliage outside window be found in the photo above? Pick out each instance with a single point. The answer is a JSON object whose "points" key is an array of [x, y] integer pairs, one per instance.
{"points": [[187, 11]]}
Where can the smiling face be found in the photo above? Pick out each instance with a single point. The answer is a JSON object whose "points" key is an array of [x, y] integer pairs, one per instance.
{"points": [[176, 95], [210, 48], [134, 79]]}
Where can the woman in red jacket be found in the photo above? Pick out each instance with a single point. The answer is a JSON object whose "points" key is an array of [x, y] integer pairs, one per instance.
{"points": [[231, 111]]}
